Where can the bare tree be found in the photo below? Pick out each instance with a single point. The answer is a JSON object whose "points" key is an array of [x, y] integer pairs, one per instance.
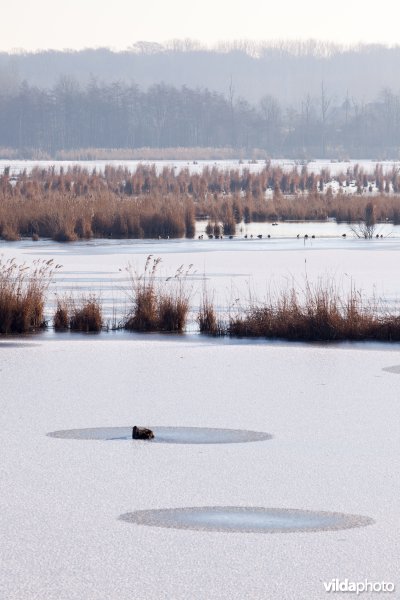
{"points": [[272, 116], [231, 96], [306, 114], [325, 104], [366, 227]]}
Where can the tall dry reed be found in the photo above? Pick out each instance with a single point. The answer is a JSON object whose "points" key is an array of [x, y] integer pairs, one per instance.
{"points": [[23, 291], [315, 313], [83, 314], [86, 314], [158, 305], [207, 318]]}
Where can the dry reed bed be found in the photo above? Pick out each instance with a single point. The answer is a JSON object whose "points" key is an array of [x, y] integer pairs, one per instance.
{"points": [[319, 313], [314, 313], [83, 314], [208, 321], [23, 291], [157, 306], [23, 294], [75, 203]]}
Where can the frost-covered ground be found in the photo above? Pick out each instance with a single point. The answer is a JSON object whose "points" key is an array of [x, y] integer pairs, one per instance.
{"points": [[333, 411]]}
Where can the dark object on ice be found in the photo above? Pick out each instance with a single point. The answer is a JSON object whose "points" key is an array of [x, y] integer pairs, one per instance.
{"points": [[141, 433]]}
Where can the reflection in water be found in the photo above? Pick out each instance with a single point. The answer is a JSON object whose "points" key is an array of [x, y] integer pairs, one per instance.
{"points": [[167, 435], [245, 519]]}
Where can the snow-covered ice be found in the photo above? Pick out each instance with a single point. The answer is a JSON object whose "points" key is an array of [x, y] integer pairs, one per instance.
{"points": [[333, 411]]}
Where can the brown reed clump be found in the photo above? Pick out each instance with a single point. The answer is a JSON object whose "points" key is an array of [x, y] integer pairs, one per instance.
{"points": [[158, 306], [23, 294], [86, 315], [144, 314], [321, 315], [173, 308], [61, 315], [314, 314], [207, 318]]}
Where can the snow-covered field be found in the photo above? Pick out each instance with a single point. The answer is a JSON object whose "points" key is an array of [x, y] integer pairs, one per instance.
{"points": [[333, 412]]}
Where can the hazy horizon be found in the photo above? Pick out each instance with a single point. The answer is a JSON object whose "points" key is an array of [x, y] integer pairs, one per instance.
{"points": [[222, 45], [78, 25], [290, 79]]}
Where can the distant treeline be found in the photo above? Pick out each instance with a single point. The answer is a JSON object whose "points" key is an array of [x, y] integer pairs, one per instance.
{"points": [[77, 204], [289, 70], [68, 117]]}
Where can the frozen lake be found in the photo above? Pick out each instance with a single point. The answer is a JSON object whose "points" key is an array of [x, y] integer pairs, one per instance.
{"points": [[332, 410]]}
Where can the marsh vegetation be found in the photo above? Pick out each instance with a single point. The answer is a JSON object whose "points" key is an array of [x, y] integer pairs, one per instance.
{"points": [[23, 291], [157, 304], [316, 313], [308, 312], [77, 204], [78, 314]]}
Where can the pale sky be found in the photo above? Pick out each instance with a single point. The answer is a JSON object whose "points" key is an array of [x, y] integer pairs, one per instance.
{"points": [[38, 24]]}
